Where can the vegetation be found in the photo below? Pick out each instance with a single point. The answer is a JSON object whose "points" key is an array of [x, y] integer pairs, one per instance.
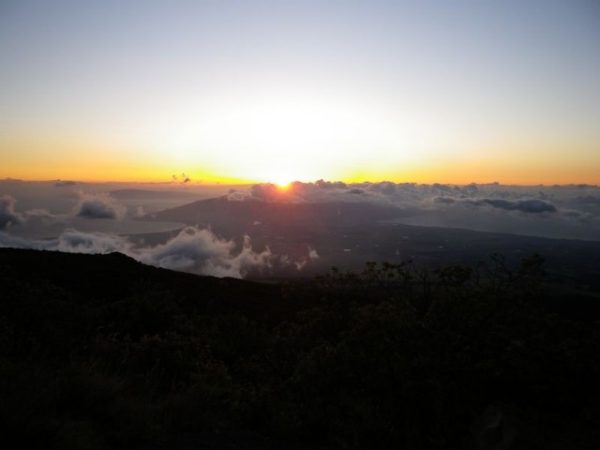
{"points": [[100, 352]]}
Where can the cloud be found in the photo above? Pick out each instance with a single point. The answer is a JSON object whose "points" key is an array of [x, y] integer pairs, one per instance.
{"points": [[411, 195], [589, 200], [183, 179], [193, 250], [237, 196], [356, 191], [70, 241], [8, 216], [444, 200], [299, 264], [39, 213], [403, 195], [570, 211], [319, 191], [64, 183], [201, 251], [527, 205], [99, 206], [266, 192], [522, 205], [73, 241]]}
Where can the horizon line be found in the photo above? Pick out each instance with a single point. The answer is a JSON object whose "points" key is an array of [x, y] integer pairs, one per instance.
{"points": [[252, 183]]}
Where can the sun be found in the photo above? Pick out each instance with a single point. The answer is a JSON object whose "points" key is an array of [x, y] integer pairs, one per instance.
{"points": [[280, 175], [282, 182]]}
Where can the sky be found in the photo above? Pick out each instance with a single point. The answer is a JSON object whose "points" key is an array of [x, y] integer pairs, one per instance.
{"points": [[260, 91]]}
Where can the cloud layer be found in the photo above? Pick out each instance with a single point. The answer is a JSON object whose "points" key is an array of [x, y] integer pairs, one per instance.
{"points": [[532, 205], [99, 206], [8, 216], [193, 250], [569, 211], [535, 199]]}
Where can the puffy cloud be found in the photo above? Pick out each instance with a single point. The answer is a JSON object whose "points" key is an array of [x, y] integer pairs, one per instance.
{"points": [[322, 184], [8, 216], [201, 251], [193, 250], [266, 192], [99, 206], [70, 241], [73, 241], [237, 196], [385, 187]]}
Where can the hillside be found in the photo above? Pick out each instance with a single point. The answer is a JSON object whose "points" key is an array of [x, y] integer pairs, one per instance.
{"points": [[101, 352]]}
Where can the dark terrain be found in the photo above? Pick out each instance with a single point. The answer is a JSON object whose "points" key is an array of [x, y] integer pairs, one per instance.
{"points": [[101, 352]]}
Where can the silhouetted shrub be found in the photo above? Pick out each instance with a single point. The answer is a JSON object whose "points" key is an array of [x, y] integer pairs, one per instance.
{"points": [[397, 356]]}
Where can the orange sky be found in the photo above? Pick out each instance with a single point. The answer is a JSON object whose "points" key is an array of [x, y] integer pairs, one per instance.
{"points": [[453, 92]]}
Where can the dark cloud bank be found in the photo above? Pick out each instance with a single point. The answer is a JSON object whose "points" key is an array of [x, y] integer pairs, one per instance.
{"points": [[8, 216]]}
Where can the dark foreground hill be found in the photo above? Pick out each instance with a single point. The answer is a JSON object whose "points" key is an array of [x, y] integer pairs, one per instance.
{"points": [[101, 352]]}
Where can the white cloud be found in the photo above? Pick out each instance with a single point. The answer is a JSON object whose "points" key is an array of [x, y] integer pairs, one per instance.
{"points": [[201, 251], [193, 250], [99, 206], [8, 216]]}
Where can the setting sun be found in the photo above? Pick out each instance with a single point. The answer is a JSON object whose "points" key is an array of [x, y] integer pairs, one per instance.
{"points": [[282, 183]]}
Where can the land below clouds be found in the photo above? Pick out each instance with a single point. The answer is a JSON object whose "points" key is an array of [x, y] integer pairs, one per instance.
{"points": [[306, 228]]}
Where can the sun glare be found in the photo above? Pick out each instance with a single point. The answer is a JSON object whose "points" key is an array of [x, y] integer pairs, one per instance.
{"points": [[280, 135], [282, 182], [283, 186]]}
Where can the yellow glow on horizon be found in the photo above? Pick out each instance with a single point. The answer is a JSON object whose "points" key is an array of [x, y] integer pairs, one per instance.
{"points": [[283, 137], [283, 185]]}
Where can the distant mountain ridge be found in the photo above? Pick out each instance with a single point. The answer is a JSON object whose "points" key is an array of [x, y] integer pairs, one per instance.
{"points": [[221, 212]]}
